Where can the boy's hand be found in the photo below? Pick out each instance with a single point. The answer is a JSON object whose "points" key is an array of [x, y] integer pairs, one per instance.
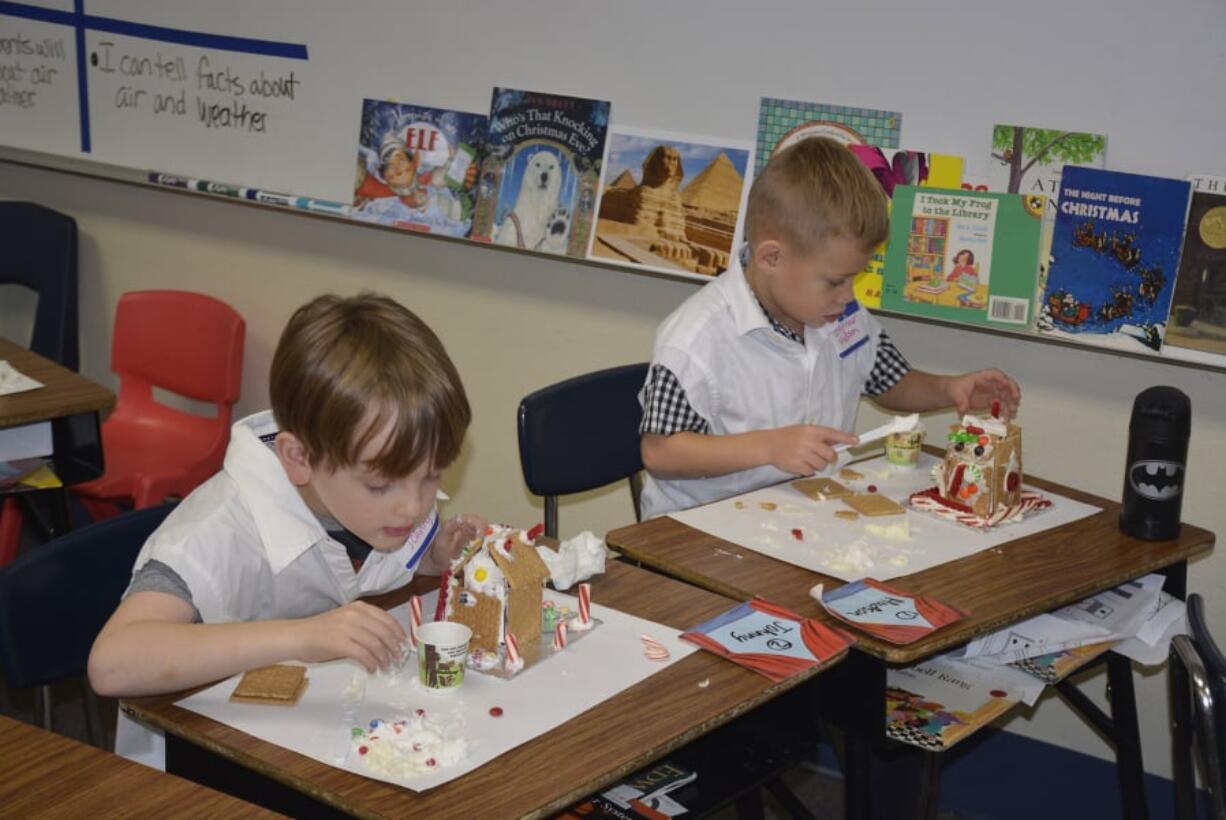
{"points": [[978, 389], [358, 630], [453, 535], [803, 449]]}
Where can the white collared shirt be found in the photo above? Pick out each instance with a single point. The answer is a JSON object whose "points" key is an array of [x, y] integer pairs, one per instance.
{"points": [[741, 376], [248, 547]]}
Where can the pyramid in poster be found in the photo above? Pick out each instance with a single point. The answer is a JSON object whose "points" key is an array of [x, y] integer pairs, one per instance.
{"points": [[675, 202], [538, 185]]}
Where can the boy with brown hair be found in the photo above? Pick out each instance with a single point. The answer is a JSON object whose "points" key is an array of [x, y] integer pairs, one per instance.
{"points": [[328, 497], [756, 377]]}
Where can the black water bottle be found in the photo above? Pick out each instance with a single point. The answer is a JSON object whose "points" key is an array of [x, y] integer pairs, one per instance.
{"points": [[1155, 469]]}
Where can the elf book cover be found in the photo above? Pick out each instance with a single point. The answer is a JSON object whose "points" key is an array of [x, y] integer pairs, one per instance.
{"points": [[540, 177]]}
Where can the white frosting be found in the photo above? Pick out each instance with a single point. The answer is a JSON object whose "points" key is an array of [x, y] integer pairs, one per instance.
{"points": [[576, 559], [899, 530], [484, 576], [408, 747]]}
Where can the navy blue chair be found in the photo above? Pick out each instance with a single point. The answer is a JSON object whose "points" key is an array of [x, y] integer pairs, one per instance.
{"points": [[40, 253], [54, 600], [1197, 680], [581, 434]]}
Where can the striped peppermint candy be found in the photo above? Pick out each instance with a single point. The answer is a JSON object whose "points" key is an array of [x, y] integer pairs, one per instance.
{"points": [[559, 635], [585, 604], [414, 619], [512, 648], [653, 649]]}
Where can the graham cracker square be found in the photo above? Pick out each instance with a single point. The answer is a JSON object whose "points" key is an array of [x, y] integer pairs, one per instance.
{"points": [[821, 488], [278, 685], [871, 504], [848, 474]]}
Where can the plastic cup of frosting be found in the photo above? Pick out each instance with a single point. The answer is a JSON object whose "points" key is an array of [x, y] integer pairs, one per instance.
{"points": [[903, 449], [442, 651]]}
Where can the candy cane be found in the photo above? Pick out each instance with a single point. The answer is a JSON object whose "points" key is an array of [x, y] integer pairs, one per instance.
{"points": [[653, 649], [559, 636], [585, 604], [414, 619], [512, 649]]}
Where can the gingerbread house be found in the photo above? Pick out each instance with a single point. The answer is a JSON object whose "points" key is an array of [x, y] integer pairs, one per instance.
{"points": [[982, 468], [496, 586]]}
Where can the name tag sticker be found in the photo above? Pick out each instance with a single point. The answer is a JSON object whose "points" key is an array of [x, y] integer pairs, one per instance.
{"points": [[888, 612], [851, 330]]}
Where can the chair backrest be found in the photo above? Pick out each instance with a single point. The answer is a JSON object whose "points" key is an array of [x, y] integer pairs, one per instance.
{"points": [[188, 343], [40, 253], [55, 599], [581, 434], [1198, 695]]}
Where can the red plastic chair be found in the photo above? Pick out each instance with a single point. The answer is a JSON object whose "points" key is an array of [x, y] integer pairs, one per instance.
{"points": [[189, 344]]}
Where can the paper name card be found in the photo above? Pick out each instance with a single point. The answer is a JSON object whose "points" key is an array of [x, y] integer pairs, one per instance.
{"points": [[769, 639], [889, 613]]}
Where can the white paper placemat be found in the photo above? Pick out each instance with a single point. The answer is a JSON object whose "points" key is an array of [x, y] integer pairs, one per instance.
{"points": [[319, 726], [807, 533], [13, 380]]}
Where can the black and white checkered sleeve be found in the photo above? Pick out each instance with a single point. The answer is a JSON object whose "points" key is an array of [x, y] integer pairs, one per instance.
{"points": [[666, 410], [888, 368]]}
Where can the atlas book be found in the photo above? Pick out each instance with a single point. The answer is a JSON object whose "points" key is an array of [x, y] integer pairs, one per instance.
{"points": [[769, 639], [1028, 160], [417, 167], [540, 176], [966, 256], [1198, 304], [893, 167], [670, 202], [1115, 251], [783, 122]]}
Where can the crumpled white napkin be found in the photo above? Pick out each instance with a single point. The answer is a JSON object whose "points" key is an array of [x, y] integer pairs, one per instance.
{"points": [[13, 380], [576, 559]]}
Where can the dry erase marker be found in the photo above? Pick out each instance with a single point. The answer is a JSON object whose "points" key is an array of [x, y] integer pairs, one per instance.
{"points": [[219, 188], [170, 180], [270, 198], [322, 206]]}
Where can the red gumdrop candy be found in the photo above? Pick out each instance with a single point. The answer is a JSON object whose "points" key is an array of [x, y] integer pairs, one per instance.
{"points": [[536, 532], [872, 488], [496, 711], [797, 534]]}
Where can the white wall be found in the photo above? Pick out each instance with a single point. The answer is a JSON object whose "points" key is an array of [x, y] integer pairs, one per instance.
{"points": [[1146, 74]]}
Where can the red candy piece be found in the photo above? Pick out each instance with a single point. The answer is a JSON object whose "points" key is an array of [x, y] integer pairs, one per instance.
{"points": [[489, 530], [798, 535], [984, 440], [1011, 482], [536, 532], [872, 488], [420, 713], [506, 545], [998, 693], [972, 429], [362, 750], [955, 483], [431, 762], [996, 408], [495, 711]]}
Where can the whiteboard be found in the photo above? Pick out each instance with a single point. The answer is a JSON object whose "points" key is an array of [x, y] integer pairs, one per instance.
{"points": [[953, 71]]}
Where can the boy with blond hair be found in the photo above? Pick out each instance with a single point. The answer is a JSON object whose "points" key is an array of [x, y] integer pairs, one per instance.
{"points": [[756, 377], [328, 497]]}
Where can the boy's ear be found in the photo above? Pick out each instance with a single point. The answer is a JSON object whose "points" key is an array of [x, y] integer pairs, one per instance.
{"points": [[768, 253], [292, 454]]}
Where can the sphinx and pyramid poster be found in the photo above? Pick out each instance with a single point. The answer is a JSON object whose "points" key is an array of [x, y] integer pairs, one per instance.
{"points": [[671, 203]]}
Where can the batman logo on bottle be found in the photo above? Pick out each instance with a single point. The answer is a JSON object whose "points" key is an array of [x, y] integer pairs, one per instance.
{"points": [[1156, 479]]}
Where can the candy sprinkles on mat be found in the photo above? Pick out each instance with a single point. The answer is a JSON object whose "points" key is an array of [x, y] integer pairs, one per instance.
{"points": [[408, 747]]}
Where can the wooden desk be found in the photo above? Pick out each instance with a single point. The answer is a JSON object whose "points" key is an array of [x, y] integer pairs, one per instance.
{"points": [[71, 402], [48, 775], [998, 586], [622, 734]]}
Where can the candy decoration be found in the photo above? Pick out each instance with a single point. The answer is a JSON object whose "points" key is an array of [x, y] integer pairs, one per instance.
{"points": [[995, 408], [512, 649], [440, 610], [872, 488], [495, 711], [797, 534], [653, 649], [536, 532], [559, 636], [585, 603], [414, 620]]}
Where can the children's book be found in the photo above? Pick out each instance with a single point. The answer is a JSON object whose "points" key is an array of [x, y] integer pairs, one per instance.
{"points": [[417, 167], [1028, 160], [783, 122], [894, 167], [967, 256], [1115, 252], [644, 794], [541, 173], [937, 703], [1198, 305], [670, 202], [769, 639], [889, 613]]}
